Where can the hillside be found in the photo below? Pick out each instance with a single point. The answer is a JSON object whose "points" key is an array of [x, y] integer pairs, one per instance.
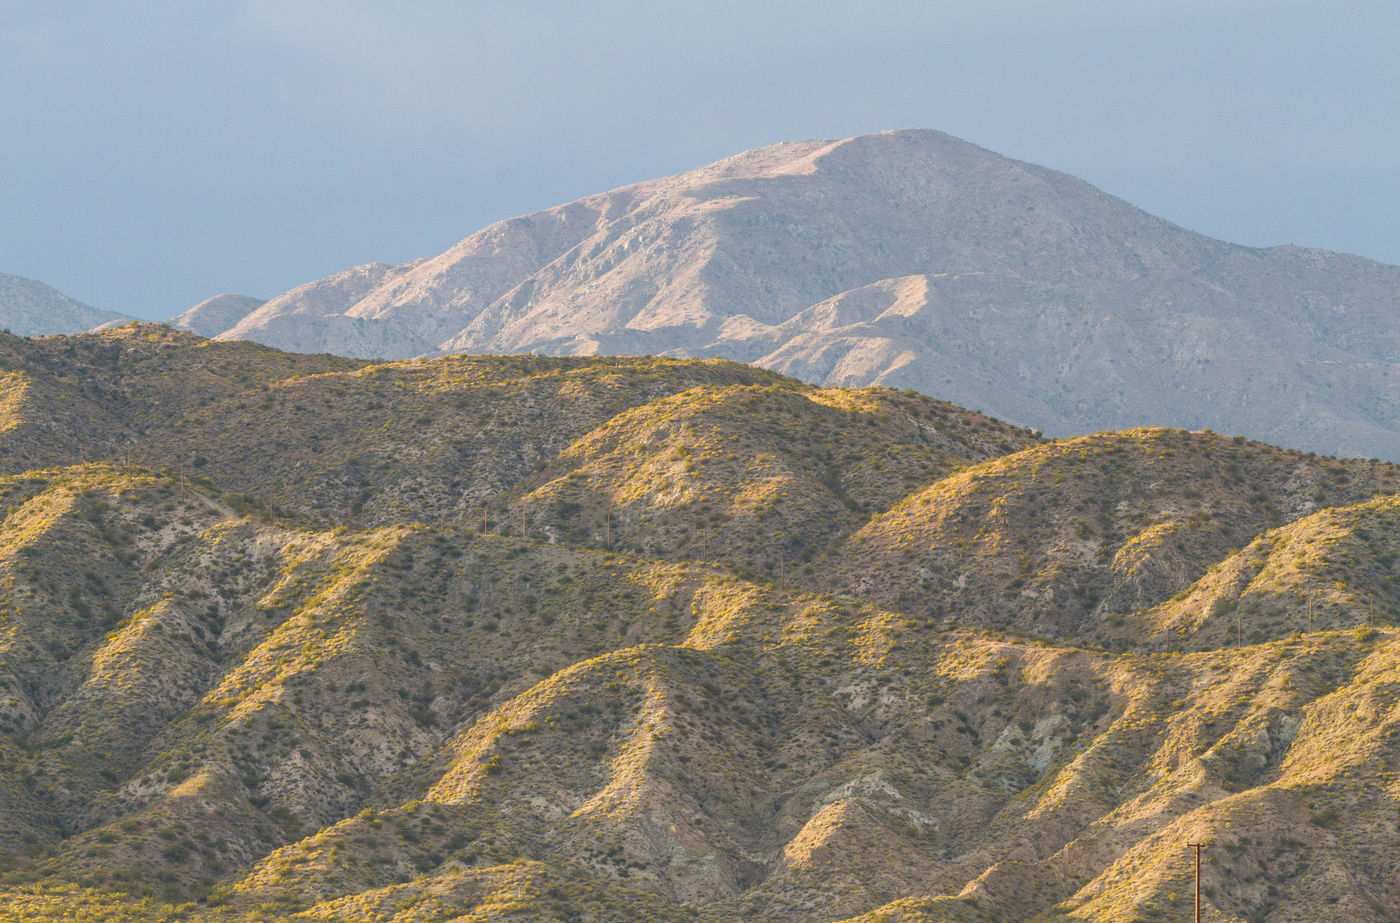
{"points": [[522, 638], [909, 259], [29, 308], [1079, 538]]}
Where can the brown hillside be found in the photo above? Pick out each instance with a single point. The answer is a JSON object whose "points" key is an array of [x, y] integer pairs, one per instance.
{"points": [[1008, 684], [1068, 539]]}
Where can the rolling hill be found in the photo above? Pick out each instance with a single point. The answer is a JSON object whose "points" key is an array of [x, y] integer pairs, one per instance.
{"points": [[522, 638]]}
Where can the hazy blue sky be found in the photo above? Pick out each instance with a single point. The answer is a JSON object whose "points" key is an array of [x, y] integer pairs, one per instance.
{"points": [[153, 154]]}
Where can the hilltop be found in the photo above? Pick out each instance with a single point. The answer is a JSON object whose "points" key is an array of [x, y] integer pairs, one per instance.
{"points": [[525, 638], [909, 259], [214, 315]]}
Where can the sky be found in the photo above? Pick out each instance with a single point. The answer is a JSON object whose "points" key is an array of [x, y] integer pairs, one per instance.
{"points": [[153, 154]]}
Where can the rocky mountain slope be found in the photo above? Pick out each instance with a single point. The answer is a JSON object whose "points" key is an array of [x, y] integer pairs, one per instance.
{"points": [[29, 308], [913, 260], [213, 316], [521, 638]]}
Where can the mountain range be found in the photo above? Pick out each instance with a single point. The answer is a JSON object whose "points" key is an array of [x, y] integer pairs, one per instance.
{"points": [[299, 636], [909, 259]]}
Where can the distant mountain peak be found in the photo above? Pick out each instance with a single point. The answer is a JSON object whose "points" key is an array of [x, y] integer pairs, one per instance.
{"points": [[213, 316], [30, 308], [1044, 300]]}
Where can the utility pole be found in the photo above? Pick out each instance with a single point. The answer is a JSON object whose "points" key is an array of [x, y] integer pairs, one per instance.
{"points": [[1198, 847], [607, 530], [485, 526], [1310, 602], [1239, 627]]}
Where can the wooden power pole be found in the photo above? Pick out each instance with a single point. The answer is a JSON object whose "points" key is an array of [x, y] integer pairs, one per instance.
{"points": [[1198, 847]]}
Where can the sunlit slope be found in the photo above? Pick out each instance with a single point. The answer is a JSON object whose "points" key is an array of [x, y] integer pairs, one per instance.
{"points": [[267, 680], [72, 399], [332, 438], [753, 752], [595, 639], [1069, 539], [1333, 569], [506, 441], [755, 477]]}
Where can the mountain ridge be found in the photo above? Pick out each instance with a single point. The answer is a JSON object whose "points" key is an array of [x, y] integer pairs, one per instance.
{"points": [[1045, 301], [614, 639], [29, 308]]}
